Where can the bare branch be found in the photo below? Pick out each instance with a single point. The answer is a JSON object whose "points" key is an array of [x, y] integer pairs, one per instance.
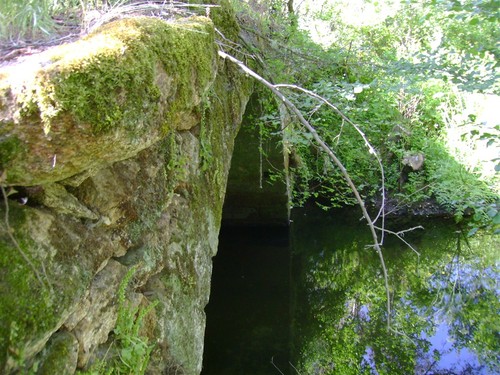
{"points": [[400, 235], [371, 149], [297, 371], [276, 367], [275, 90]]}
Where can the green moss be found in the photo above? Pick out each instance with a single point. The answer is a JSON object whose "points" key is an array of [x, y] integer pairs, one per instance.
{"points": [[29, 309], [109, 78], [26, 310], [10, 147], [4, 92], [221, 111], [19, 288], [60, 356], [223, 17]]}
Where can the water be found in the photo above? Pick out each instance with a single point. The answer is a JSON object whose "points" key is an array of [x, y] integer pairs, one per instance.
{"points": [[445, 314], [324, 312], [248, 316]]}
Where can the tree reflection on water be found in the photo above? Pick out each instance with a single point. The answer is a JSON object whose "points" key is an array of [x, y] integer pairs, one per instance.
{"points": [[446, 305]]}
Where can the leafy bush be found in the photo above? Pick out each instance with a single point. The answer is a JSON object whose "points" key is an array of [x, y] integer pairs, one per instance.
{"points": [[401, 81]]}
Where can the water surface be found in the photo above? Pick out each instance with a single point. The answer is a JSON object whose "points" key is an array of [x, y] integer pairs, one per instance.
{"points": [[312, 300], [445, 301], [248, 316]]}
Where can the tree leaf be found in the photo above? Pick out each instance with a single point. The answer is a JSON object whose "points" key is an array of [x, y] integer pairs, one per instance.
{"points": [[472, 232]]}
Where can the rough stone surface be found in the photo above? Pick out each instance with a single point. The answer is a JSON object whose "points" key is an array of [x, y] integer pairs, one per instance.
{"points": [[102, 99], [123, 206], [415, 160], [60, 356]]}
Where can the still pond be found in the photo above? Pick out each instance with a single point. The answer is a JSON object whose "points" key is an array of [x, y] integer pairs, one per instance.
{"points": [[311, 300]]}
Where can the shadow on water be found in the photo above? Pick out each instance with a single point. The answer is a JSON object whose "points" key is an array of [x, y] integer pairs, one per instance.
{"points": [[248, 314], [321, 307]]}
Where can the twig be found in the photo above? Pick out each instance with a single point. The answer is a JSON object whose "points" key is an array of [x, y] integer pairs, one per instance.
{"points": [[157, 8], [275, 90], [281, 46], [395, 331], [276, 367], [231, 45], [13, 239], [400, 235], [337, 137], [297, 371]]}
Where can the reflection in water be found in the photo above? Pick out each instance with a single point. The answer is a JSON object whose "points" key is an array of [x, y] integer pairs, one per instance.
{"points": [[445, 314], [445, 303]]}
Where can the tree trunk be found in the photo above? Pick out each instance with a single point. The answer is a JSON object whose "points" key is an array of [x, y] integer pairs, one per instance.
{"points": [[291, 14]]}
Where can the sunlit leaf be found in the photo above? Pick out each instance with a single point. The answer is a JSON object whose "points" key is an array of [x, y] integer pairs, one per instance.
{"points": [[472, 232]]}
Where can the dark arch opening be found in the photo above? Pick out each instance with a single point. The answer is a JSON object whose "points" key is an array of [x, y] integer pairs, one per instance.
{"points": [[248, 316]]}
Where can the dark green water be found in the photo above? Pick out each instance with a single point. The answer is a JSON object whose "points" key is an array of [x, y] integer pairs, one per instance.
{"points": [[321, 309], [248, 316]]}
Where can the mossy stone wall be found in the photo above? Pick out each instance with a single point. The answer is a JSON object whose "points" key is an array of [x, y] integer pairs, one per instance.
{"points": [[115, 155], [255, 194]]}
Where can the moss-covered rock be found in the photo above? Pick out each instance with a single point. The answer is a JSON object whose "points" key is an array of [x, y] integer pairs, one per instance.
{"points": [[121, 144], [39, 285], [103, 98], [60, 356], [223, 17]]}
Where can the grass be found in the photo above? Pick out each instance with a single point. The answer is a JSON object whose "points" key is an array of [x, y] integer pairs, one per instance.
{"points": [[27, 21], [35, 22]]}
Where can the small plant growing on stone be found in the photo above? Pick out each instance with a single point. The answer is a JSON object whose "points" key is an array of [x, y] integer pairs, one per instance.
{"points": [[133, 349]]}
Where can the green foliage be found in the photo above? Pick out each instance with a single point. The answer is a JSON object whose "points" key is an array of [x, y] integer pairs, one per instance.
{"points": [[134, 349], [459, 190], [401, 79]]}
